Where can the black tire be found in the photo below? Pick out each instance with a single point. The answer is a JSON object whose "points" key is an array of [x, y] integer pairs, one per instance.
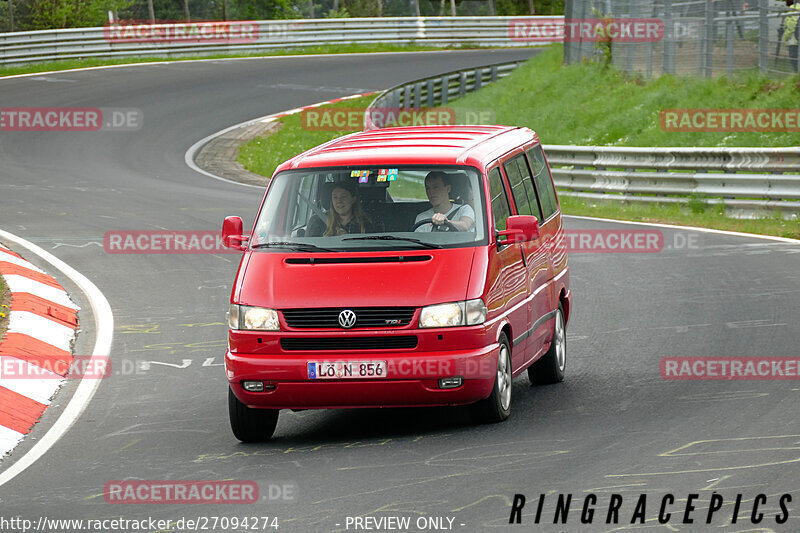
{"points": [[497, 407], [551, 366], [251, 425]]}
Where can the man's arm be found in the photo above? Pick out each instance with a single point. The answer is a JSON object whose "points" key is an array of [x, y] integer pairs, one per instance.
{"points": [[463, 223]]}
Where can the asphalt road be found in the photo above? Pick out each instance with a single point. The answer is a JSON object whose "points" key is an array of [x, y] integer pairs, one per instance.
{"points": [[614, 425]]}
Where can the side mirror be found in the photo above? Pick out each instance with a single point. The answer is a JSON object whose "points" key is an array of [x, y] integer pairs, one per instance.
{"points": [[232, 233], [520, 228]]}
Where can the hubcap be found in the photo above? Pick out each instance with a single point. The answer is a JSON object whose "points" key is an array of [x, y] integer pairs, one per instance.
{"points": [[504, 378], [560, 341]]}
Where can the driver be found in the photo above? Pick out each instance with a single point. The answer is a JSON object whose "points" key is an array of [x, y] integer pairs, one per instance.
{"points": [[437, 187]]}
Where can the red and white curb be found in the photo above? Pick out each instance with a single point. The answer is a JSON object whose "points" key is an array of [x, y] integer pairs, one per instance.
{"points": [[41, 327]]}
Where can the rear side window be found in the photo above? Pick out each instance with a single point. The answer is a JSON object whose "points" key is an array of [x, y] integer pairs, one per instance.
{"points": [[500, 209], [544, 182], [519, 177]]}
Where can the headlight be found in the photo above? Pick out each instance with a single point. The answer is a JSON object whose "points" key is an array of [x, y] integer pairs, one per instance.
{"points": [[452, 314], [442, 315], [255, 318]]}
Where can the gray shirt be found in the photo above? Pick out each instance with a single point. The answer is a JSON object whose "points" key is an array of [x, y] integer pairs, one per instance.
{"points": [[456, 213]]}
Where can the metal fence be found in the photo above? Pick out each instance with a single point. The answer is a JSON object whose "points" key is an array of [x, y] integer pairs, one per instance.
{"points": [[48, 45], [700, 37], [747, 181]]}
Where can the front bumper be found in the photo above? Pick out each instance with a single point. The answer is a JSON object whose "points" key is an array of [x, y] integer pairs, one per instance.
{"points": [[412, 378]]}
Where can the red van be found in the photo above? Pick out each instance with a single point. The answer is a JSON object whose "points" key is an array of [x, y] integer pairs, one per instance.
{"points": [[399, 267]]}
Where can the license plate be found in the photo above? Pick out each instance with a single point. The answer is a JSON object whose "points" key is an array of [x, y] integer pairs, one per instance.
{"points": [[347, 370]]}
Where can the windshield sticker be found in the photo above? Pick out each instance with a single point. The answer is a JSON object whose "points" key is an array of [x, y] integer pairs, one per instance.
{"points": [[392, 174]]}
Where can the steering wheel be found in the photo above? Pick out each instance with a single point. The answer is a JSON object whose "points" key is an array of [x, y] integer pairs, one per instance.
{"points": [[448, 223]]}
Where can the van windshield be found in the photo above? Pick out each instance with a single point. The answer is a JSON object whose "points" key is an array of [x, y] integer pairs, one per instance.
{"points": [[372, 208]]}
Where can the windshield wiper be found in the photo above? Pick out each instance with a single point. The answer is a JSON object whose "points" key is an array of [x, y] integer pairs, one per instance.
{"points": [[300, 246], [392, 238]]}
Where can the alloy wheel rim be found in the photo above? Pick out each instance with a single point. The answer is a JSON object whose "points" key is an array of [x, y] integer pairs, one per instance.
{"points": [[561, 342], [503, 378]]}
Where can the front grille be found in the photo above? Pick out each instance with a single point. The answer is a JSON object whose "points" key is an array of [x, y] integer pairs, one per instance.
{"points": [[349, 343], [366, 317]]}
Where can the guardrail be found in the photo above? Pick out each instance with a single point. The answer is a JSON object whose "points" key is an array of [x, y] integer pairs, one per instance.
{"points": [[746, 180], [435, 90], [48, 45]]}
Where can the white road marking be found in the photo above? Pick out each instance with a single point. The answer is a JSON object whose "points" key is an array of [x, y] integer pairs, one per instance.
{"points": [[104, 322], [691, 228]]}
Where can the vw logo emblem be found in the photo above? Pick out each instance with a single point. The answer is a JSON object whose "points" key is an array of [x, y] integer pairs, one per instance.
{"points": [[347, 319]]}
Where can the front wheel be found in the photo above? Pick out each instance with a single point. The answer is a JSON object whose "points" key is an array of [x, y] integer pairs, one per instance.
{"points": [[250, 425], [550, 368], [497, 407]]}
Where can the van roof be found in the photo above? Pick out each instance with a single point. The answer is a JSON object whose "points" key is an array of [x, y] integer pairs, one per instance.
{"points": [[419, 145]]}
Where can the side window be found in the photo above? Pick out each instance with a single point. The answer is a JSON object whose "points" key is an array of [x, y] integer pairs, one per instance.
{"points": [[500, 208], [522, 187], [527, 182], [544, 182]]}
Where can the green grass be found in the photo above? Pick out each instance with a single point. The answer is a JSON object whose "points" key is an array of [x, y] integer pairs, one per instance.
{"points": [[695, 214], [327, 49], [263, 155], [592, 105]]}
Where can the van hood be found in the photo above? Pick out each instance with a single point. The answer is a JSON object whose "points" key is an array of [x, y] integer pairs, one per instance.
{"points": [[360, 279]]}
